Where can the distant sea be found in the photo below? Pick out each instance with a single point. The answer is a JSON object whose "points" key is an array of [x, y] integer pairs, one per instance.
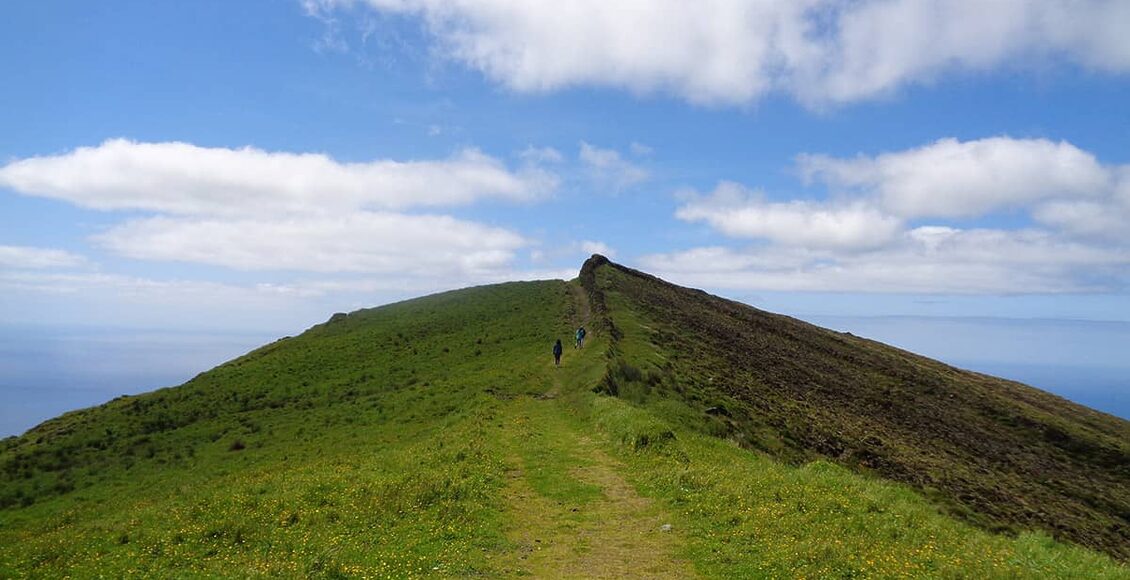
{"points": [[45, 372], [1105, 389]]}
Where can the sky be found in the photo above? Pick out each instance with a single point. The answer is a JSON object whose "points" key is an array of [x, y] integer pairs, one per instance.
{"points": [[182, 181]]}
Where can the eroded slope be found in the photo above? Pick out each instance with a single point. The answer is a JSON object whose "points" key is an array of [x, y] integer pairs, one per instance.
{"points": [[994, 451]]}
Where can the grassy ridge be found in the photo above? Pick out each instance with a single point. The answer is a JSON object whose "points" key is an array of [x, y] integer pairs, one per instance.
{"points": [[367, 443], [1001, 454], [435, 438]]}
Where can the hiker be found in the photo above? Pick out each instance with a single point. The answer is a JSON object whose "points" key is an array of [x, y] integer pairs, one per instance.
{"points": [[557, 353], [580, 338]]}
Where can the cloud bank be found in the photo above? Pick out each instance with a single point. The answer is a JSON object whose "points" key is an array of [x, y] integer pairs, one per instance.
{"points": [[185, 179], [724, 52], [906, 221], [29, 258], [738, 212], [950, 178], [249, 209], [387, 243]]}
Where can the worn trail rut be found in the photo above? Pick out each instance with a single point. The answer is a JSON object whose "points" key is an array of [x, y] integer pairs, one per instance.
{"points": [[574, 515]]}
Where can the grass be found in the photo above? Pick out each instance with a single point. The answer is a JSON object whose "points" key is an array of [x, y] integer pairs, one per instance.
{"points": [[1002, 455], [572, 514], [370, 443], [435, 438], [747, 516]]}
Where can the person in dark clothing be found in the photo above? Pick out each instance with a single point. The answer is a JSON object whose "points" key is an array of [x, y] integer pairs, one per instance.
{"points": [[557, 353]]}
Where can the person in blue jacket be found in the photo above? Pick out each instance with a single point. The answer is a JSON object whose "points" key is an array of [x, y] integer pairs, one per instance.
{"points": [[557, 353], [579, 341]]}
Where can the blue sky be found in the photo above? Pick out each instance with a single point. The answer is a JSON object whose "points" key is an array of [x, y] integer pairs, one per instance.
{"points": [[246, 169]]}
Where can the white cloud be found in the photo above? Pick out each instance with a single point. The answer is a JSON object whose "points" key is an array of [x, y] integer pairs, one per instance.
{"points": [[929, 260], [951, 178], [1122, 190], [873, 234], [284, 306], [640, 150], [409, 285], [883, 44], [249, 209], [180, 178], [114, 300], [591, 247], [1086, 218], [331, 235], [125, 286], [722, 51], [387, 243], [25, 257], [331, 39], [738, 212], [539, 155], [1106, 218], [609, 169]]}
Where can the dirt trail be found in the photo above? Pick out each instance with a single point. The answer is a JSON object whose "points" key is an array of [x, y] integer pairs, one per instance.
{"points": [[610, 532], [579, 315], [572, 515], [582, 310]]}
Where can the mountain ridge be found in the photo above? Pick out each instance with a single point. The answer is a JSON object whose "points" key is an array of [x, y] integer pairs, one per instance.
{"points": [[435, 437]]}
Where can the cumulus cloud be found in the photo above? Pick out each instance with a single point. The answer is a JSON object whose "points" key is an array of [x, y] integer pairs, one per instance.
{"points": [[25, 257], [951, 178], [927, 260], [181, 178], [1089, 219], [739, 212], [720, 51], [1057, 183], [249, 209], [882, 44], [608, 168], [873, 232], [1106, 218], [389, 243]]}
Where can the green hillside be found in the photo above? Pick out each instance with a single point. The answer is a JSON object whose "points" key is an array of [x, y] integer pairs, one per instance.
{"points": [[434, 437], [999, 453]]}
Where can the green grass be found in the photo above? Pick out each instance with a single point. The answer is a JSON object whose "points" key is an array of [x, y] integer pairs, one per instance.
{"points": [[435, 438], [748, 516], [549, 456], [368, 443], [1002, 455]]}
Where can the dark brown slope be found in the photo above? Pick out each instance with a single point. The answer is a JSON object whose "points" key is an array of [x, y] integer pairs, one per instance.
{"points": [[997, 452]]}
